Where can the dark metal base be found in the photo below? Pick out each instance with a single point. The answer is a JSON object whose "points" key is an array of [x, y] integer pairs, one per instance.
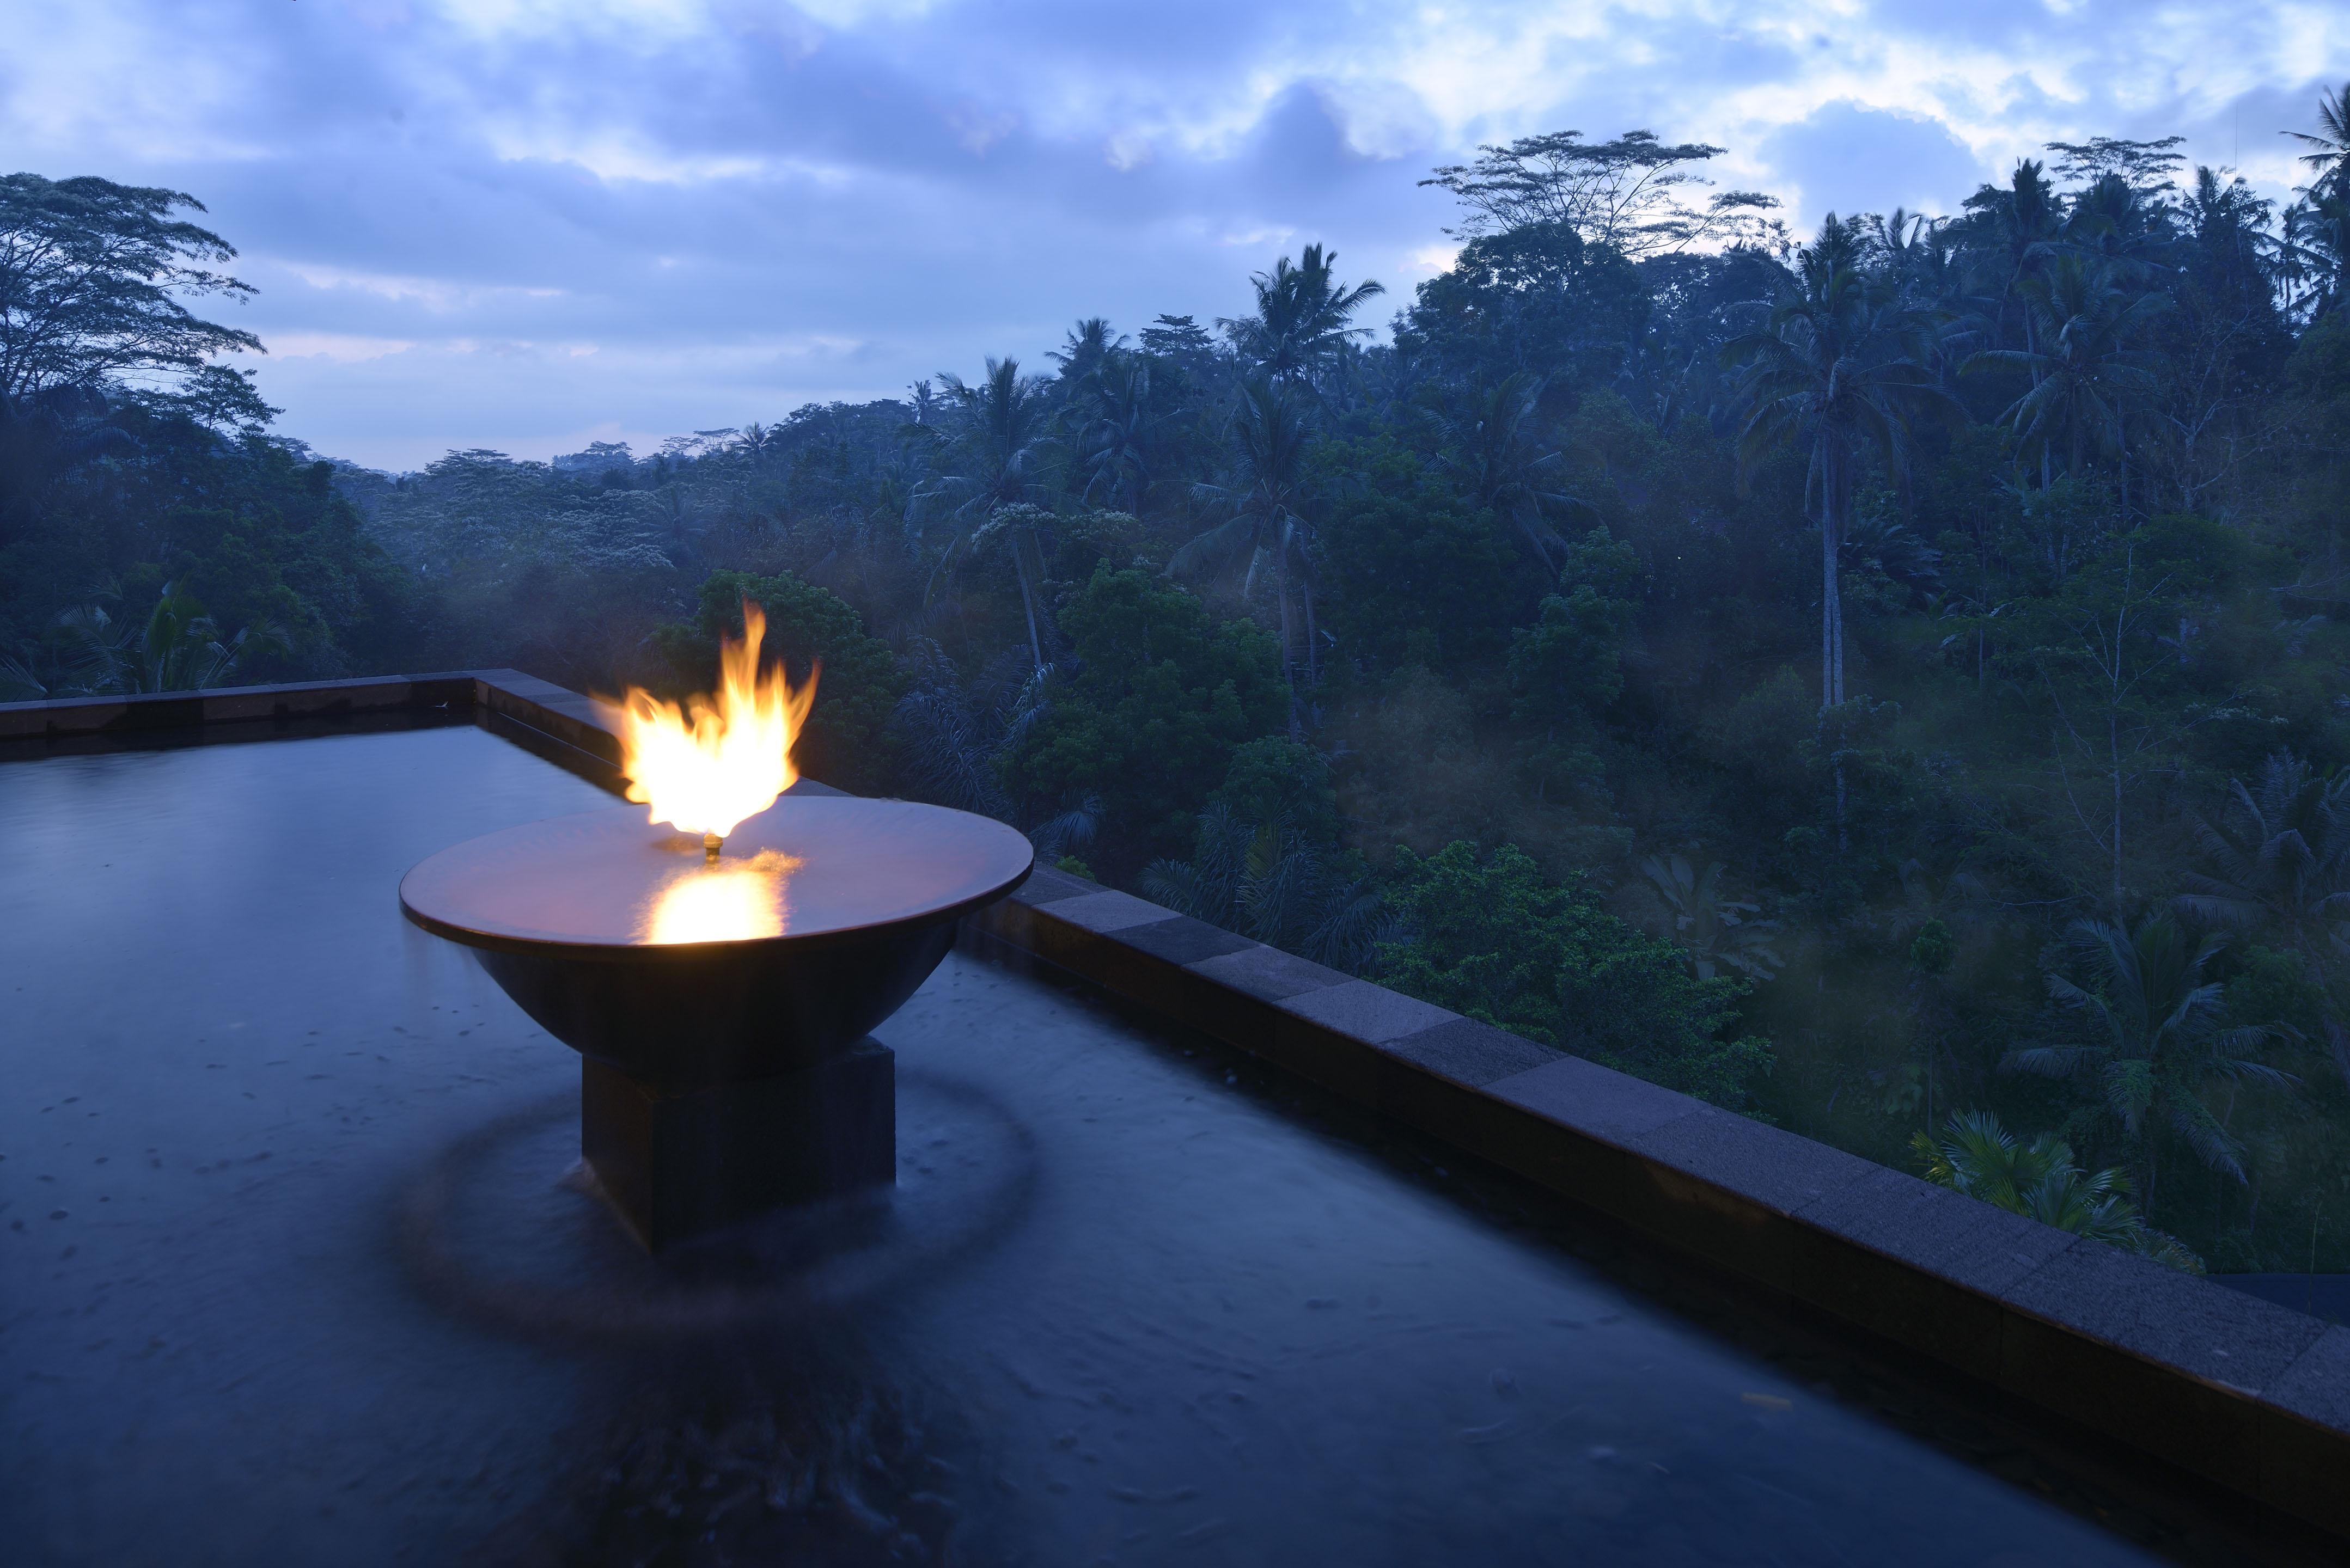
{"points": [[678, 1165]]}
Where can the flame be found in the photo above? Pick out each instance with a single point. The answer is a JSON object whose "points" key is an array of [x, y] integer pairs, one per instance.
{"points": [[721, 759]]}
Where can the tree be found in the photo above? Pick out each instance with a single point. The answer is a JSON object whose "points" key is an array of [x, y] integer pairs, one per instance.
{"points": [[2084, 373], [2222, 342], [1269, 879], [2098, 678], [1536, 299], [1493, 451], [1089, 344], [2155, 1038], [2279, 855], [1566, 669], [1718, 933], [999, 456], [1625, 195], [178, 647], [1268, 533], [91, 276], [1493, 939], [1115, 431], [2329, 165], [1147, 715], [2141, 166], [1839, 366], [1411, 570], [2039, 1180], [1302, 315]]}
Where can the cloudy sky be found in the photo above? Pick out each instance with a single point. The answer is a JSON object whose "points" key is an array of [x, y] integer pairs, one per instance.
{"points": [[531, 223]]}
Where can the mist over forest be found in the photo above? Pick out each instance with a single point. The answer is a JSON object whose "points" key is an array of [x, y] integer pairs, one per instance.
{"points": [[1889, 681]]}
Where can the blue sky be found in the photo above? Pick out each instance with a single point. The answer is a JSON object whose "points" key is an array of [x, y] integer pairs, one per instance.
{"points": [[531, 223]]}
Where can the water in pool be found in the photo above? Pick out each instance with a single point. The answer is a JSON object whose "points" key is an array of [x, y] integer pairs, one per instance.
{"points": [[292, 1269]]}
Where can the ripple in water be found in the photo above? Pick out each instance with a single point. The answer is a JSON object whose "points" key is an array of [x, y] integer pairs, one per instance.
{"points": [[501, 1228]]}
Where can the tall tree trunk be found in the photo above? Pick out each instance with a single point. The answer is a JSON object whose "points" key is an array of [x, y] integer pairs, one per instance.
{"points": [[1832, 612], [1028, 605], [2113, 756], [1831, 655], [1313, 670], [1288, 663]]}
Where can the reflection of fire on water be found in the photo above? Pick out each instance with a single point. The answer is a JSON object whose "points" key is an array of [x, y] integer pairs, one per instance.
{"points": [[731, 901], [722, 757]]}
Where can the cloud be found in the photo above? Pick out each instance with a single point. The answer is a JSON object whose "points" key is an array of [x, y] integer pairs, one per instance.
{"points": [[1847, 158], [740, 205]]}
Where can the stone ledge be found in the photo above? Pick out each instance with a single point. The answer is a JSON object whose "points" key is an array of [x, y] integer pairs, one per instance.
{"points": [[66, 718]]}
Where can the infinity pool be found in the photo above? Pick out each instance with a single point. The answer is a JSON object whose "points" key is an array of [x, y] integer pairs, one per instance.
{"points": [[291, 1272]]}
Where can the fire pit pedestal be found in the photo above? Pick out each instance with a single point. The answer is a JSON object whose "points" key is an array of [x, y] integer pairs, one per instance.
{"points": [[680, 1163], [721, 1007]]}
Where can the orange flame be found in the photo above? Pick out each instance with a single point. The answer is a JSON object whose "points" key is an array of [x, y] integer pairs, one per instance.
{"points": [[723, 758]]}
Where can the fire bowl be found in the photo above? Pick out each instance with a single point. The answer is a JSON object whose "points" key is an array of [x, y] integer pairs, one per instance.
{"points": [[720, 1006]]}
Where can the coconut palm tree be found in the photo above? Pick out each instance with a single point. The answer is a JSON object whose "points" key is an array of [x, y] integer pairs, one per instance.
{"points": [[1493, 451], [2011, 230], [1114, 439], [1268, 533], [1267, 881], [2156, 1042], [2084, 373], [1839, 368], [2279, 855], [2329, 165], [178, 647], [1977, 1156], [2316, 253], [1301, 315], [1717, 931], [998, 456], [1089, 345]]}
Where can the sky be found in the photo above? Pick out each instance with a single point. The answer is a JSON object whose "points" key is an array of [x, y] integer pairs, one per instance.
{"points": [[528, 224]]}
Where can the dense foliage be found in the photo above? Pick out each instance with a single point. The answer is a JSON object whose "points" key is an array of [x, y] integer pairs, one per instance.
{"points": [[1872, 681]]}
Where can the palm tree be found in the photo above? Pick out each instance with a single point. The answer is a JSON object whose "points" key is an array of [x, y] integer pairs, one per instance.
{"points": [[1115, 439], [2156, 1039], [178, 647], [1089, 343], [2329, 163], [2013, 229], [1977, 1156], [2317, 252], [1268, 530], [2083, 373], [2279, 855], [1267, 881], [1840, 366], [2119, 223], [1000, 454], [1495, 455], [1301, 316], [1717, 931]]}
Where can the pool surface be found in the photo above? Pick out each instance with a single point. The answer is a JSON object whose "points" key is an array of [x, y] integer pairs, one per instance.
{"points": [[1143, 1301]]}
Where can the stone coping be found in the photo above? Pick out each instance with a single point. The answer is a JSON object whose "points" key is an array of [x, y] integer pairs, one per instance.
{"points": [[2248, 1395], [73, 718]]}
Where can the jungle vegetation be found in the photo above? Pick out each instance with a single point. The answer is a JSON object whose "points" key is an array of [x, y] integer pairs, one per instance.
{"points": [[1890, 680]]}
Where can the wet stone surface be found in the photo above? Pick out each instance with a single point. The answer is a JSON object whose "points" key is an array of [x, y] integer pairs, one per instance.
{"points": [[1173, 1308]]}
